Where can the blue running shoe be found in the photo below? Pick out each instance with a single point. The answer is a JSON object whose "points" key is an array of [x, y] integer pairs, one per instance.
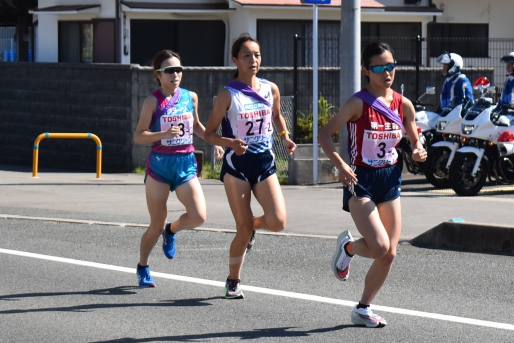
{"points": [[168, 242], [144, 277]]}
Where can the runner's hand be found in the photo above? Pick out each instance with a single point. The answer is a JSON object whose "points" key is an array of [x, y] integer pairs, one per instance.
{"points": [[419, 155], [218, 152], [239, 146]]}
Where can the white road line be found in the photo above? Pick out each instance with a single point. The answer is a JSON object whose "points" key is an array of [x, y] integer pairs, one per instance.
{"points": [[96, 222], [269, 291]]}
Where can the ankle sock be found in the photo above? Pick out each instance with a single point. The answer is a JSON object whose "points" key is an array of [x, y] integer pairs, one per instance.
{"points": [[168, 230], [140, 266], [359, 305]]}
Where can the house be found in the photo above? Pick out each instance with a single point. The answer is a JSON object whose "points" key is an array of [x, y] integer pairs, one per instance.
{"points": [[126, 31]]}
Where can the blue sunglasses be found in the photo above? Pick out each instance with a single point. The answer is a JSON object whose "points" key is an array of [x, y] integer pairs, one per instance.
{"points": [[380, 69]]}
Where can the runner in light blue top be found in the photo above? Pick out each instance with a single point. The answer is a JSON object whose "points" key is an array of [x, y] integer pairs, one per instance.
{"points": [[168, 119]]}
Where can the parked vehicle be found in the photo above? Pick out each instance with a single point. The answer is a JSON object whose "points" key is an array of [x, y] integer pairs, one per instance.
{"points": [[425, 122], [488, 148], [447, 141]]}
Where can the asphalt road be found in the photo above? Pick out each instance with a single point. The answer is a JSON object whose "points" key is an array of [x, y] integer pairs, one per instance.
{"points": [[69, 246]]}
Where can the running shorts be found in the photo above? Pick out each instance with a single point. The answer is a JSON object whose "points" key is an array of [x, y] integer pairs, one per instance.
{"points": [[172, 169], [252, 168], [378, 184]]}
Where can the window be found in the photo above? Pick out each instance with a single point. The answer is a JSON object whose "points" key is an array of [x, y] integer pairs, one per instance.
{"points": [[400, 36], [104, 41], [278, 38], [7, 42], [198, 42], [75, 42], [467, 40]]}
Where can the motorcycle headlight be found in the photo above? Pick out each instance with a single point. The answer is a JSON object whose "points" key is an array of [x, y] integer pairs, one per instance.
{"points": [[467, 129], [441, 125]]}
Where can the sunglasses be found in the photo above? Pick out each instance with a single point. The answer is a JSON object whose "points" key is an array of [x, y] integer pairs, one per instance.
{"points": [[171, 69], [380, 69]]}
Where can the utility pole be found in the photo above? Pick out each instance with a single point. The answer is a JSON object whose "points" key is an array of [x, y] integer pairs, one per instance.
{"points": [[349, 52]]}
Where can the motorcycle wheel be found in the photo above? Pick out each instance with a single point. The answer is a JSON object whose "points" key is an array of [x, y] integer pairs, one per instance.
{"points": [[435, 167], [460, 174]]}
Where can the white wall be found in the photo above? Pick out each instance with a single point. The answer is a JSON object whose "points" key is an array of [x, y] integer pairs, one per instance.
{"points": [[46, 43], [498, 13]]}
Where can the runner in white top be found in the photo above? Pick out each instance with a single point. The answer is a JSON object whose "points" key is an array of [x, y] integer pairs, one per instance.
{"points": [[245, 108]]}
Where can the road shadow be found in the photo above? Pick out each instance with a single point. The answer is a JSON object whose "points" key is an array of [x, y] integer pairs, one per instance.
{"points": [[269, 333]]}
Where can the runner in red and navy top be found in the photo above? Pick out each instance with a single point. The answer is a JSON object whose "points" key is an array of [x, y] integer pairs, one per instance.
{"points": [[375, 117], [373, 138]]}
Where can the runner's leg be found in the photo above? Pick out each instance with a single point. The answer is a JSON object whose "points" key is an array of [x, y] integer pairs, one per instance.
{"points": [[389, 216], [239, 196], [190, 194], [157, 194], [269, 195]]}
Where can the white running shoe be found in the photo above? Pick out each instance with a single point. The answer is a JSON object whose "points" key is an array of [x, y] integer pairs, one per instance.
{"points": [[340, 260], [364, 316]]}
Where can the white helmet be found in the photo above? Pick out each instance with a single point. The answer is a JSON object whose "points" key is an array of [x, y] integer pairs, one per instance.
{"points": [[454, 62], [508, 58]]}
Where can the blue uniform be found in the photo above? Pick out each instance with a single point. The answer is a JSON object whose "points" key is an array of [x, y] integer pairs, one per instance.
{"points": [[452, 90], [507, 94], [172, 161]]}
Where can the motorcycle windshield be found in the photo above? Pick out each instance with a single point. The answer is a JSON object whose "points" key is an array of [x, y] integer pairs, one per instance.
{"points": [[480, 106]]}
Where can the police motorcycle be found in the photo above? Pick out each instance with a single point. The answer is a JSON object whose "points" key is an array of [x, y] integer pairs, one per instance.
{"points": [[425, 122], [446, 143], [488, 148]]}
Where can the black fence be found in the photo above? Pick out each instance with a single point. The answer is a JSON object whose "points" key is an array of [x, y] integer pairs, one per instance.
{"points": [[417, 65]]}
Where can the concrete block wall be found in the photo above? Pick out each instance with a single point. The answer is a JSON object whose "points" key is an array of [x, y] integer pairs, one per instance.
{"points": [[104, 99], [66, 98], [301, 166]]}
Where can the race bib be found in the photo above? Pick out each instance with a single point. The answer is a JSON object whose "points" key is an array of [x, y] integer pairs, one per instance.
{"points": [[378, 147], [254, 125], [185, 121]]}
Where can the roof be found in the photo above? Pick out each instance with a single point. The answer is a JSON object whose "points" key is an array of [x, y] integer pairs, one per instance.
{"points": [[67, 9], [365, 4], [333, 3], [175, 6]]}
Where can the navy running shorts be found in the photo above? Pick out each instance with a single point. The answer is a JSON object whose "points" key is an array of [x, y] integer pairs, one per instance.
{"points": [[378, 184], [252, 168], [172, 169]]}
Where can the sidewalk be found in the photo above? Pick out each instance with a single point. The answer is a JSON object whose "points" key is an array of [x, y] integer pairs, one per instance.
{"points": [[312, 210]]}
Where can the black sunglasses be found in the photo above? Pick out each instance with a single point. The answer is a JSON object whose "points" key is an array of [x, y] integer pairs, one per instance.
{"points": [[171, 69], [380, 69]]}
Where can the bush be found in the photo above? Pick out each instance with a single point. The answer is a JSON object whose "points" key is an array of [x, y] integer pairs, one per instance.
{"points": [[326, 111]]}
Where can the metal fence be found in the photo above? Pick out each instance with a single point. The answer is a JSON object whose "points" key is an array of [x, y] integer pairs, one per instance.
{"points": [[281, 156], [417, 64]]}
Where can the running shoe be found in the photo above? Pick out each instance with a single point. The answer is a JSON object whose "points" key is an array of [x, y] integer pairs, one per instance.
{"points": [[232, 290], [168, 242], [340, 260], [364, 316], [252, 241], [144, 277]]}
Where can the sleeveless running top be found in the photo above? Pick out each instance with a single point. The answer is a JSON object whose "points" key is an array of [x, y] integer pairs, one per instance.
{"points": [[372, 140], [177, 111], [249, 119]]}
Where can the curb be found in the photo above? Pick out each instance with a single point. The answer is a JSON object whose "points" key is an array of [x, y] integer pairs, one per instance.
{"points": [[473, 237]]}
